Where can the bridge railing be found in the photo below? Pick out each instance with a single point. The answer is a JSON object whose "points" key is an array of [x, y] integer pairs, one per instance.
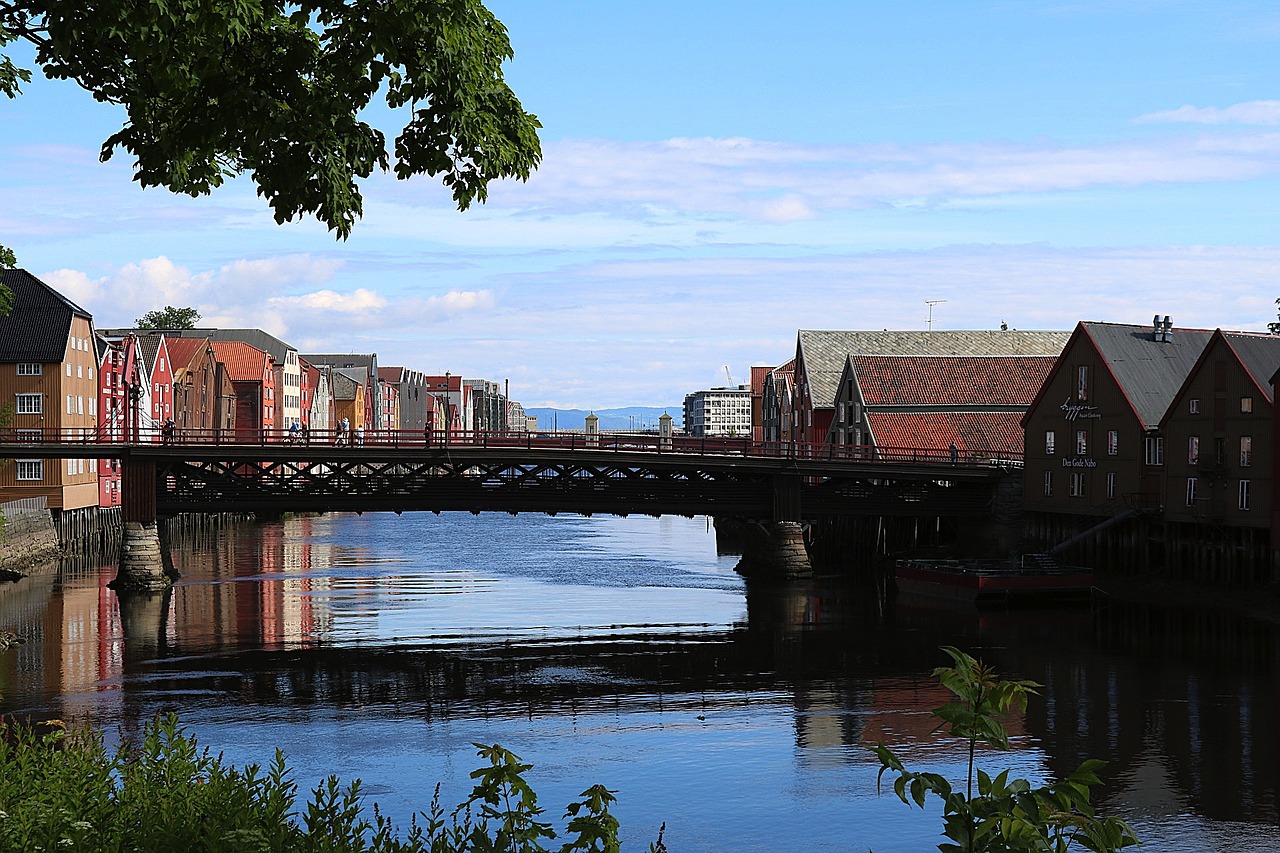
{"points": [[620, 442]]}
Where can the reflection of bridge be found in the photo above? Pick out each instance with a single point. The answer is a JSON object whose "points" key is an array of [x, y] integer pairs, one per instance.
{"points": [[607, 473]]}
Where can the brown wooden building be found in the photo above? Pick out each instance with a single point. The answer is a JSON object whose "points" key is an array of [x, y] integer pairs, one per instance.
{"points": [[204, 398], [1093, 445], [48, 369], [1218, 449]]}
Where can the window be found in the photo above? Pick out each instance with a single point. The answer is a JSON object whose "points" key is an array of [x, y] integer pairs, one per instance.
{"points": [[1193, 450], [29, 404], [1077, 484], [1191, 491], [162, 364], [1082, 442], [1246, 451], [1048, 443], [1082, 382], [1244, 494], [1153, 447], [79, 371], [31, 469], [1193, 405], [71, 404], [1246, 405], [1219, 450], [93, 406], [30, 436], [71, 466], [1048, 483], [30, 369], [1113, 442], [79, 405], [1111, 485]]}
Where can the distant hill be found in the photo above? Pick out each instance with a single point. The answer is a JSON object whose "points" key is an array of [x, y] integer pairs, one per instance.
{"points": [[635, 418]]}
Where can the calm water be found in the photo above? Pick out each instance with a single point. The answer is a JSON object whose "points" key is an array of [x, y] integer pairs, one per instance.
{"points": [[626, 652]]}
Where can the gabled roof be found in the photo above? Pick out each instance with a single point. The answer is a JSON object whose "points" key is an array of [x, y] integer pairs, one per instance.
{"points": [[1149, 372], [185, 353], [971, 432], [959, 380], [38, 327], [344, 387], [245, 363], [824, 352], [1260, 355], [149, 351], [391, 374]]}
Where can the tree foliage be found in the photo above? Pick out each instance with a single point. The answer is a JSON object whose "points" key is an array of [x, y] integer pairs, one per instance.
{"points": [[168, 318], [1007, 815], [276, 90]]}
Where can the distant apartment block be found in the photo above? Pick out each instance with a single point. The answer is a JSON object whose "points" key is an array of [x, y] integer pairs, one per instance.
{"points": [[718, 412]]}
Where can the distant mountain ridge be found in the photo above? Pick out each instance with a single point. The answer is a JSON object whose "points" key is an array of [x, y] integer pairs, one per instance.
{"points": [[636, 418]]}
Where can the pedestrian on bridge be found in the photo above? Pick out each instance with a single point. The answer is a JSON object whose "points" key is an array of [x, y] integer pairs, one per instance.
{"points": [[955, 453]]}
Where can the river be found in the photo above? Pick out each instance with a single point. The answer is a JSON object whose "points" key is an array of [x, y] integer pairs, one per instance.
{"points": [[625, 651]]}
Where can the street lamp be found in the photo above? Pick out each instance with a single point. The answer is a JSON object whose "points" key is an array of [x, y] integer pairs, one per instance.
{"points": [[448, 406]]}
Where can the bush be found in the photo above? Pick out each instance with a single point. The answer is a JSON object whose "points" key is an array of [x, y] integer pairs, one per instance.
{"points": [[1008, 815], [65, 791]]}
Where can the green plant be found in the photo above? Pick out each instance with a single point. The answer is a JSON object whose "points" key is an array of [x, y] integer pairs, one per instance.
{"points": [[63, 790], [1007, 814]]}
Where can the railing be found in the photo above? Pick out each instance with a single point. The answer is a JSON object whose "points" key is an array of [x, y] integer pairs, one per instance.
{"points": [[644, 442]]}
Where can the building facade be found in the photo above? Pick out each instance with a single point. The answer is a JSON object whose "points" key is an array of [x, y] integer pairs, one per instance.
{"points": [[718, 412]]}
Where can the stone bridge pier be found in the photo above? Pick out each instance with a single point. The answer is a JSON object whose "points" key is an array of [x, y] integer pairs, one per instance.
{"points": [[145, 566], [776, 549]]}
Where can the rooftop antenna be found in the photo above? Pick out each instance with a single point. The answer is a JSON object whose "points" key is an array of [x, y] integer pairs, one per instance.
{"points": [[931, 303]]}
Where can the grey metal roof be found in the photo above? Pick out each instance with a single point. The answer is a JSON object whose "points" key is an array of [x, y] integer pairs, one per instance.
{"points": [[40, 323], [365, 360], [344, 387], [1260, 355], [1150, 372], [824, 352]]}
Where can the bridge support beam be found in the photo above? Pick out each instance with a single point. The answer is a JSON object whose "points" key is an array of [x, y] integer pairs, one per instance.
{"points": [[142, 557], [776, 552]]}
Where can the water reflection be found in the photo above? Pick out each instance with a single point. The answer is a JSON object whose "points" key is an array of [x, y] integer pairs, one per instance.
{"points": [[631, 649]]}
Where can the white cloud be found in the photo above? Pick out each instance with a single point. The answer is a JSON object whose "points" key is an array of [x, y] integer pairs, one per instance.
{"points": [[1248, 112], [358, 301]]}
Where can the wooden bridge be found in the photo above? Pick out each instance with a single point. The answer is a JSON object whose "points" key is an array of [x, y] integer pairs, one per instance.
{"points": [[617, 473]]}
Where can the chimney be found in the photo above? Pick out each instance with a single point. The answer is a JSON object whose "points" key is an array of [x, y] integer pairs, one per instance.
{"points": [[1161, 330], [1168, 329], [1156, 328]]}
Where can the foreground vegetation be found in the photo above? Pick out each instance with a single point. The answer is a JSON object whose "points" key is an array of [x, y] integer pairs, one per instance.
{"points": [[1007, 815], [66, 791]]}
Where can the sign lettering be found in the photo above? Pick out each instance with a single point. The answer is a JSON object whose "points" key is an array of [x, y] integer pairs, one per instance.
{"points": [[1078, 411]]}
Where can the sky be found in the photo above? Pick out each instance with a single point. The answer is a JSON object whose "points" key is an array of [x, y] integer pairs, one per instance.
{"points": [[718, 175]]}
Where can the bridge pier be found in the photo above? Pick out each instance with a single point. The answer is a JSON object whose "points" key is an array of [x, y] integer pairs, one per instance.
{"points": [[776, 552], [142, 557]]}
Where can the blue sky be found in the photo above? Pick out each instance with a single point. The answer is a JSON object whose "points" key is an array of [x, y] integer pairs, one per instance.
{"points": [[718, 175]]}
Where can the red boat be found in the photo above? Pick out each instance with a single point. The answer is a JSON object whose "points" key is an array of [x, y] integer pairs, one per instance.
{"points": [[1036, 580]]}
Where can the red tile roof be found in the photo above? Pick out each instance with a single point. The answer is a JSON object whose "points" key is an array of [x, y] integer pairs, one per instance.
{"points": [[902, 380], [972, 432], [245, 363], [390, 374], [183, 351]]}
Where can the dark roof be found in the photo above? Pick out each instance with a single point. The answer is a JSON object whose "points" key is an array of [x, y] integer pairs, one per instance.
{"points": [[344, 387], [825, 352], [906, 380], [148, 349], [38, 327], [1149, 372], [1260, 355], [365, 360]]}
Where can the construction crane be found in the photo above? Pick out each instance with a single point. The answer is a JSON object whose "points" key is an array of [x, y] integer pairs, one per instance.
{"points": [[729, 376]]}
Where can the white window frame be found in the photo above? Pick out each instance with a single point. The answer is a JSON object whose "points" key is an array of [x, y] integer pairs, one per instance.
{"points": [[30, 470], [1243, 503], [37, 399], [1193, 450], [1077, 484], [1246, 405], [1193, 405], [30, 368], [1191, 491], [1048, 484], [1111, 485], [1050, 442], [1246, 451], [1153, 449], [1113, 442]]}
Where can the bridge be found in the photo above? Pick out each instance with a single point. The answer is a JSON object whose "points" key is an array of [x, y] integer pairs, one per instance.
{"points": [[614, 473]]}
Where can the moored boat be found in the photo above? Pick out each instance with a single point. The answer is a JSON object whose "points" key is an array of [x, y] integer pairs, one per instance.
{"points": [[1033, 580]]}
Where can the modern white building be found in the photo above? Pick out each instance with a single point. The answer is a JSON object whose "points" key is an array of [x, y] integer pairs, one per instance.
{"points": [[719, 412]]}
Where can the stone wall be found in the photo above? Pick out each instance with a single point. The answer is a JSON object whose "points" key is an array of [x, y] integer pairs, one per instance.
{"points": [[29, 537]]}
